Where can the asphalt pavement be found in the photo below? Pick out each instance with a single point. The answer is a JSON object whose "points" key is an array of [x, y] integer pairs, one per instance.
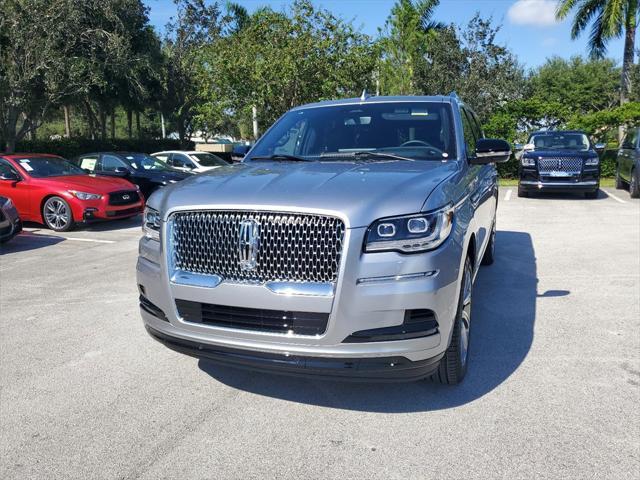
{"points": [[552, 391]]}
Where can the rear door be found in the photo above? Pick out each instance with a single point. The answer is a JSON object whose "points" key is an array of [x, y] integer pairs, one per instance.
{"points": [[627, 154]]}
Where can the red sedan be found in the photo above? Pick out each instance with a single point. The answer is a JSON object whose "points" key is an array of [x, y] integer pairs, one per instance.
{"points": [[51, 190]]}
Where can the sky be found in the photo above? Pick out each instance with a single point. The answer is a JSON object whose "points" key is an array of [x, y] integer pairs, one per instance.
{"points": [[529, 27]]}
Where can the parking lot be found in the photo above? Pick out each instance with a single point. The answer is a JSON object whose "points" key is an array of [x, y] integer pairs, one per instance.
{"points": [[552, 391]]}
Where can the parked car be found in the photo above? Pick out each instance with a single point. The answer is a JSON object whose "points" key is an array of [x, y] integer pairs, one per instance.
{"points": [[239, 152], [190, 161], [51, 190], [10, 223], [559, 161], [628, 163], [139, 168], [345, 245]]}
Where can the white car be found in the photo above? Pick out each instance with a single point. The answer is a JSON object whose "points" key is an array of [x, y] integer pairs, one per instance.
{"points": [[190, 161]]}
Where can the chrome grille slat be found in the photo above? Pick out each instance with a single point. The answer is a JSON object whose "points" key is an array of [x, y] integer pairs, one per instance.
{"points": [[294, 247], [560, 164]]}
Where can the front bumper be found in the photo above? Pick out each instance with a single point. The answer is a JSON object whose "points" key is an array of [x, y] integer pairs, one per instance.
{"points": [[361, 369], [354, 306], [559, 186], [10, 223]]}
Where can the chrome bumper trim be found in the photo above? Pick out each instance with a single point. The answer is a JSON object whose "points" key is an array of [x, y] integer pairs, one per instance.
{"points": [[397, 278], [180, 277], [588, 183], [315, 289]]}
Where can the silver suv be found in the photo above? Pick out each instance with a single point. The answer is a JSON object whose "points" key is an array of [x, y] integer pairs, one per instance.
{"points": [[345, 245]]}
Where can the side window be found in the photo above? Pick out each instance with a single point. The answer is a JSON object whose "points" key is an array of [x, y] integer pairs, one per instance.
{"points": [[179, 160], [7, 168], [476, 125], [109, 163], [163, 157], [469, 136], [630, 140], [88, 162]]}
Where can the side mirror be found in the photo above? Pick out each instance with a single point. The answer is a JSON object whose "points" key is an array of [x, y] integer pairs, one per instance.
{"points": [[518, 146], [10, 176], [491, 150], [600, 147]]}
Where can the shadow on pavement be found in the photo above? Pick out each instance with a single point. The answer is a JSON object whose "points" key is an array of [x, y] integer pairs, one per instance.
{"points": [[504, 311], [602, 195], [26, 241]]}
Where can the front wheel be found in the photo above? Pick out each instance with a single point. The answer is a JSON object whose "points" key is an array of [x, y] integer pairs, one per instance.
{"points": [[453, 365], [634, 184], [57, 215], [591, 195], [522, 193]]}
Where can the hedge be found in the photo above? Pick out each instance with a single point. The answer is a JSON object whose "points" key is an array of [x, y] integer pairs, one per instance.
{"points": [[72, 147], [509, 169]]}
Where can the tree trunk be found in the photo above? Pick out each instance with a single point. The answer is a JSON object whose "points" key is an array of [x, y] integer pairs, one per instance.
{"points": [[90, 121], [113, 123], [627, 61], [103, 123], [138, 129], [129, 123], [67, 120]]}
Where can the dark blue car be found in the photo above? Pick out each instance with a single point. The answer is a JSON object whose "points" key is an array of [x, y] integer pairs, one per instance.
{"points": [[559, 161]]}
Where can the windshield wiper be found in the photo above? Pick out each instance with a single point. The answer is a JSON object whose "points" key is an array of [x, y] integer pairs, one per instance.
{"points": [[282, 157], [366, 154]]}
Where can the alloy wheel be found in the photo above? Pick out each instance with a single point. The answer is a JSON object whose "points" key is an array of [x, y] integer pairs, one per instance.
{"points": [[465, 323], [57, 214]]}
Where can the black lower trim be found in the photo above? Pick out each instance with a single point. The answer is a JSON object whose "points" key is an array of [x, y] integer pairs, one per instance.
{"points": [[126, 211], [356, 369], [152, 309]]}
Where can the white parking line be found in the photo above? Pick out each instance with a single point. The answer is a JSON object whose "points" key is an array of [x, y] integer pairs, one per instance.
{"points": [[507, 196], [28, 233], [614, 197]]}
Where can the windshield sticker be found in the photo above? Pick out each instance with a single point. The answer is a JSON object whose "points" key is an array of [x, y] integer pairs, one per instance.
{"points": [[445, 154], [24, 163], [88, 164], [129, 158]]}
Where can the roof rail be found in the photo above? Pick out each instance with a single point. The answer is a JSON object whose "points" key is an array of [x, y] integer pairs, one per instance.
{"points": [[454, 95]]}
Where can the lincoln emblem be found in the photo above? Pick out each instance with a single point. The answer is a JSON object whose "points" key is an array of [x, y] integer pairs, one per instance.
{"points": [[248, 244]]}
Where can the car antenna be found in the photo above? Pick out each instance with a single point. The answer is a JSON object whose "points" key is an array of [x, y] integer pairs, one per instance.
{"points": [[364, 95], [454, 95]]}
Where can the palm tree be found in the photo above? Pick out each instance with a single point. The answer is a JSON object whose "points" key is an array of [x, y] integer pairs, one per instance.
{"points": [[610, 19]]}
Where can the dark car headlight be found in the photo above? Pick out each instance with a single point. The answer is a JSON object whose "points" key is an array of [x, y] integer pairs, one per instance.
{"points": [[410, 233], [592, 161], [151, 223]]}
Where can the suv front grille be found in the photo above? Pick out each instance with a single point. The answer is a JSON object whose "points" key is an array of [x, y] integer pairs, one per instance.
{"points": [[569, 165], [123, 198], [292, 247], [280, 321]]}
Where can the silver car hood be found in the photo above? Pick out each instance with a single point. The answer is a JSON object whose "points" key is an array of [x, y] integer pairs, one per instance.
{"points": [[360, 192]]}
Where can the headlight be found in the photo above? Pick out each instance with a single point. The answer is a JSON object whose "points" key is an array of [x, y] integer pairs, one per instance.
{"points": [[410, 233], [592, 161], [528, 161], [151, 223], [85, 195]]}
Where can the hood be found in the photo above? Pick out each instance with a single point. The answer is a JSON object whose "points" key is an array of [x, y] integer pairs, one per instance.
{"points": [[362, 191], [90, 183]]}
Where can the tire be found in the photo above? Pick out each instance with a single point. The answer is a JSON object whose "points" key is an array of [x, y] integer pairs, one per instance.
{"points": [[490, 252], [591, 195], [522, 193], [57, 215], [619, 182], [634, 184], [453, 365]]}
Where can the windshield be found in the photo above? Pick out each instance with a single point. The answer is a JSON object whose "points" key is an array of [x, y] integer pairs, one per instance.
{"points": [[417, 130], [560, 141], [42, 167], [208, 160], [142, 161]]}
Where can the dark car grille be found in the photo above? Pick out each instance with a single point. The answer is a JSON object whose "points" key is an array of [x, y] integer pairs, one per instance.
{"points": [[569, 165], [292, 247], [123, 198], [299, 323], [126, 211]]}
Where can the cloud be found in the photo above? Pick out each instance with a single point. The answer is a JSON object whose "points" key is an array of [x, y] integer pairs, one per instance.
{"points": [[539, 13]]}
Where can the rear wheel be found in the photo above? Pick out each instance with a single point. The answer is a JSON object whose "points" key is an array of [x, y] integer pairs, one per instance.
{"points": [[619, 181], [57, 215], [490, 252], [634, 184], [453, 365]]}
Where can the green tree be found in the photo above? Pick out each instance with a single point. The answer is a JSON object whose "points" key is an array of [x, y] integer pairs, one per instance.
{"points": [[610, 19], [407, 34]]}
